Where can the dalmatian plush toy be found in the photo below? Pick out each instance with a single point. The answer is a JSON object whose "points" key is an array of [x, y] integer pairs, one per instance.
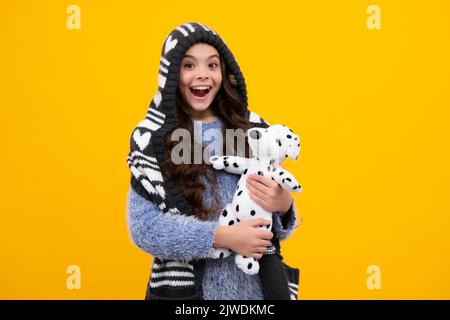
{"points": [[270, 146]]}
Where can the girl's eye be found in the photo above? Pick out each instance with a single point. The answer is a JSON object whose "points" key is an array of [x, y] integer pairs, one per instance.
{"points": [[189, 65]]}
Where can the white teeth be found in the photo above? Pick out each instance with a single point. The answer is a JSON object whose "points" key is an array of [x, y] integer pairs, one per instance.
{"points": [[201, 88]]}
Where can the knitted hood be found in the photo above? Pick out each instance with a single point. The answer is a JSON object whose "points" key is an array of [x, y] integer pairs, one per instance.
{"points": [[147, 145]]}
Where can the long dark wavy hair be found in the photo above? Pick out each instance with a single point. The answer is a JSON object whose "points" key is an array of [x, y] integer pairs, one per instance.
{"points": [[227, 106]]}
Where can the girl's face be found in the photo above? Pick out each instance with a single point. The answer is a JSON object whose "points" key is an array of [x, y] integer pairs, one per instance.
{"points": [[200, 79]]}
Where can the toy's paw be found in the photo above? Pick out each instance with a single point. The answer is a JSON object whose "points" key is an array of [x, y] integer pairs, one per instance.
{"points": [[219, 253], [248, 265], [292, 185], [297, 188], [218, 162]]}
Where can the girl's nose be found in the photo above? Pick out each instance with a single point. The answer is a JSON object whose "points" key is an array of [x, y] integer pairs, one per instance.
{"points": [[202, 73]]}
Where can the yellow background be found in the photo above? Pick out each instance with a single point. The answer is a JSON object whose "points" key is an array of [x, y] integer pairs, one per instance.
{"points": [[371, 108]]}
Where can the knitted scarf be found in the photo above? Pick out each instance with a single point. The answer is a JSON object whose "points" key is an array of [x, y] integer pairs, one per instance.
{"points": [[169, 279]]}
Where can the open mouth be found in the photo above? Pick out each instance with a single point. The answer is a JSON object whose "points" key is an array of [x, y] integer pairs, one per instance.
{"points": [[200, 92]]}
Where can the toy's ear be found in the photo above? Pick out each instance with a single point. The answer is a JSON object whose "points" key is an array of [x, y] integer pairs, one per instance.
{"points": [[254, 133], [254, 137]]}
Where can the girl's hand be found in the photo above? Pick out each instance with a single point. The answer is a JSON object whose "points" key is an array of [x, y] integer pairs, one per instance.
{"points": [[268, 194], [247, 239]]}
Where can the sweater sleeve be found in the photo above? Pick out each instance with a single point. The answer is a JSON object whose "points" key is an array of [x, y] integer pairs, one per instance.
{"points": [[167, 236], [285, 225]]}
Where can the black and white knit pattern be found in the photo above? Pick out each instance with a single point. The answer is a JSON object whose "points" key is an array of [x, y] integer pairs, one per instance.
{"points": [[172, 273], [293, 288], [293, 276], [144, 165]]}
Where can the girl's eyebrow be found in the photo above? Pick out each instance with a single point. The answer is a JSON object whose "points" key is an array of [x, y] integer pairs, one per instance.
{"points": [[189, 56]]}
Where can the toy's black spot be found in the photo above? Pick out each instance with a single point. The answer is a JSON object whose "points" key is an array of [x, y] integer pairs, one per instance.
{"points": [[249, 266], [252, 212], [272, 161], [286, 156], [281, 173], [273, 179], [291, 131], [289, 136], [231, 223], [221, 255], [295, 187], [296, 138], [279, 142], [237, 207], [254, 259], [239, 193], [245, 171], [260, 173], [288, 179], [224, 213], [268, 168], [268, 226], [225, 158], [235, 165], [226, 164], [298, 145], [238, 220], [245, 257], [282, 181]]}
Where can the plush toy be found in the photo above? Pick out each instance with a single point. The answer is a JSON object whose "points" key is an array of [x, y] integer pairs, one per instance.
{"points": [[270, 146]]}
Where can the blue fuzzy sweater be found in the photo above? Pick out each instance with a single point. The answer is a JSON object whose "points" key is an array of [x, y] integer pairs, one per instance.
{"points": [[178, 237]]}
